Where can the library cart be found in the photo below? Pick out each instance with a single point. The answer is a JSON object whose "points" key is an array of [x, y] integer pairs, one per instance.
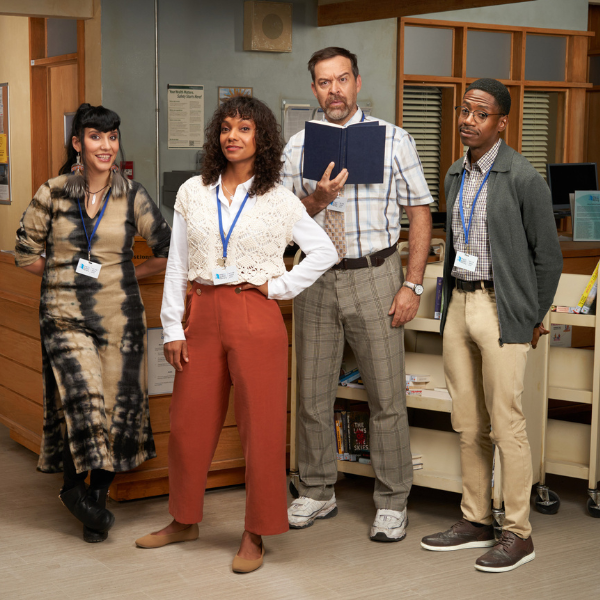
{"points": [[572, 449]]}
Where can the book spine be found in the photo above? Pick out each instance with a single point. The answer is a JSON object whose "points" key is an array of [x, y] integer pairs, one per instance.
{"points": [[585, 309], [345, 442], [588, 288], [338, 435], [343, 150], [437, 314]]}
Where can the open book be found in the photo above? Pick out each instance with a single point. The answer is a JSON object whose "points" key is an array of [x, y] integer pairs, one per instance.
{"points": [[360, 148]]}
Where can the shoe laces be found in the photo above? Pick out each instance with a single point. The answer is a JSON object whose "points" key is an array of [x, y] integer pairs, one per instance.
{"points": [[384, 515], [506, 540]]}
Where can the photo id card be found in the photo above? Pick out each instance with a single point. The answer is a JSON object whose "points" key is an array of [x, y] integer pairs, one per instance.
{"points": [[88, 268], [468, 262], [339, 204], [223, 275]]}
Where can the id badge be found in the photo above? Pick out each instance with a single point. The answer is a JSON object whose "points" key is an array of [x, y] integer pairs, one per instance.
{"points": [[468, 262], [88, 268], [223, 275], [339, 204]]}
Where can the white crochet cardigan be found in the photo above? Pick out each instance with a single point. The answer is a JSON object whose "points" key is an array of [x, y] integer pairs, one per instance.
{"points": [[258, 240]]}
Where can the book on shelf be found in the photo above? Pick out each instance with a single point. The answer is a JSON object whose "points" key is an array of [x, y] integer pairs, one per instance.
{"points": [[560, 335], [437, 311], [591, 285], [356, 384], [589, 301], [339, 436], [360, 148], [573, 310], [418, 378], [438, 393], [350, 377], [359, 433]]}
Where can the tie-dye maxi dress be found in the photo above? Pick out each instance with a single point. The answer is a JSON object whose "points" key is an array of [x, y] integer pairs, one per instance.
{"points": [[93, 330]]}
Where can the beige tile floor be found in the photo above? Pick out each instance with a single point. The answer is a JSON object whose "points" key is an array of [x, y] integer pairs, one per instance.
{"points": [[42, 555]]}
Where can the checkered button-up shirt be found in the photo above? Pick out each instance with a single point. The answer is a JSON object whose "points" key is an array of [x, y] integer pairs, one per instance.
{"points": [[373, 211], [479, 241]]}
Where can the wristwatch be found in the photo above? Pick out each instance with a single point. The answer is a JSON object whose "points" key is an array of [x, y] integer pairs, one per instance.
{"points": [[417, 288]]}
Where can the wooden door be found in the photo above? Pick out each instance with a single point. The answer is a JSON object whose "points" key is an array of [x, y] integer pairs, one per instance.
{"points": [[62, 99]]}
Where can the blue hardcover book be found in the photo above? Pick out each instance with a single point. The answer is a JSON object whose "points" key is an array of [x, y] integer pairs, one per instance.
{"points": [[437, 311], [360, 148]]}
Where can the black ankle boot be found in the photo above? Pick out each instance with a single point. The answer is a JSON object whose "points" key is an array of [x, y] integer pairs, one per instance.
{"points": [[91, 536], [86, 510]]}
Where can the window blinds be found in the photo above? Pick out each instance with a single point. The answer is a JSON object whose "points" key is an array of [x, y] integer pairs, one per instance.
{"points": [[536, 117], [422, 118]]}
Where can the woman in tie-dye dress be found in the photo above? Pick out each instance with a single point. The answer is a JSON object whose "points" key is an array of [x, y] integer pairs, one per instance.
{"points": [[92, 321]]}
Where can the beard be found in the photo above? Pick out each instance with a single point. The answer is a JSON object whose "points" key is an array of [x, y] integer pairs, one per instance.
{"points": [[339, 113]]}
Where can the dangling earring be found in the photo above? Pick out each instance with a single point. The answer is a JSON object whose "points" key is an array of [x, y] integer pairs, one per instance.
{"points": [[75, 184], [77, 167], [120, 185]]}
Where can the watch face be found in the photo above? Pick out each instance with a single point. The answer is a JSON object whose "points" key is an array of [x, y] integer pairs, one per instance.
{"points": [[418, 289]]}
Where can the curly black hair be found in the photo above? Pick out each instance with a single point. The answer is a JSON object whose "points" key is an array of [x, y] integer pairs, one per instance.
{"points": [[269, 143]]}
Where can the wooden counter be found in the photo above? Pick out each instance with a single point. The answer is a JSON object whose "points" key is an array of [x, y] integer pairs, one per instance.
{"points": [[21, 396]]}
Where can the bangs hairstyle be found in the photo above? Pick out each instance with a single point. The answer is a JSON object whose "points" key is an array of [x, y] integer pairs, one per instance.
{"points": [[332, 52], [269, 144], [90, 117]]}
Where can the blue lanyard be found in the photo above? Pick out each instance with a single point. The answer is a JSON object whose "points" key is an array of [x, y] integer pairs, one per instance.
{"points": [[225, 239], [91, 237], [466, 228]]}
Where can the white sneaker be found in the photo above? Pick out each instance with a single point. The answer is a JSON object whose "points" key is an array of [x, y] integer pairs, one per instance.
{"points": [[303, 511], [389, 525]]}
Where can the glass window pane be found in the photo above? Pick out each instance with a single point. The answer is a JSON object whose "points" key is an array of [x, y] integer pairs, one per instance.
{"points": [[61, 36], [428, 51], [545, 58], [595, 70], [488, 54]]}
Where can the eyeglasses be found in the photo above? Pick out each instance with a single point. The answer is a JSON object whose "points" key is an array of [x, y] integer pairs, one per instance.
{"points": [[478, 115]]}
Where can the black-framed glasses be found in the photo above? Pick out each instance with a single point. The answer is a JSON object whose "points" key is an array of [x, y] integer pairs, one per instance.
{"points": [[479, 116]]}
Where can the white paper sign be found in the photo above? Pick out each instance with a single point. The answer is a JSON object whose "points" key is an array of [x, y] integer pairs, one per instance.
{"points": [[161, 374], [186, 116], [339, 204]]}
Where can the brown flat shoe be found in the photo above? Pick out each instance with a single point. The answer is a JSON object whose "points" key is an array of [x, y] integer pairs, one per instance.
{"points": [[242, 565], [158, 541]]}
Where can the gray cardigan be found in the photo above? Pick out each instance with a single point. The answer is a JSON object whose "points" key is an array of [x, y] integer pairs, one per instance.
{"points": [[526, 255]]}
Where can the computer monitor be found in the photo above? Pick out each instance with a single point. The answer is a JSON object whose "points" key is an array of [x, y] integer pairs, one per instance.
{"points": [[566, 178]]}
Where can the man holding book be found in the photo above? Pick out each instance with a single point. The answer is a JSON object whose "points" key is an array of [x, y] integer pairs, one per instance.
{"points": [[363, 300], [502, 267]]}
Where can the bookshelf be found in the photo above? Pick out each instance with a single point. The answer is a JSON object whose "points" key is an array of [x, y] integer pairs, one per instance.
{"points": [[440, 449], [572, 449]]}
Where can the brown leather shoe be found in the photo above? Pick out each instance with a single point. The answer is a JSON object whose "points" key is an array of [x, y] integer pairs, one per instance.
{"points": [[509, 553], [460, 536]]}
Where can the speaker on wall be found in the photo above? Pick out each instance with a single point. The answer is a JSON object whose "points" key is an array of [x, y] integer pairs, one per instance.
{"points": [[268, 26]]}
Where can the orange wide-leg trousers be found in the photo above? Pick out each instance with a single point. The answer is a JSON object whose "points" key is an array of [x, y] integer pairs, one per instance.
{"points": [[240, 339]]}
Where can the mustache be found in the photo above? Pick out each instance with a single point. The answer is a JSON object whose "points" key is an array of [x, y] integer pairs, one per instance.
{"points": [[467, 129], [336, 99]]}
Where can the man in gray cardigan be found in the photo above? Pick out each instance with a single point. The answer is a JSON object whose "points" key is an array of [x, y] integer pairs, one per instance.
{"points": [[502, 267]]}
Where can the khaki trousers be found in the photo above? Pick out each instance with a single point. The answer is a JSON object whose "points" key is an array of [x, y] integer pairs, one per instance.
{"points": [[352, 306], [485, 381]]}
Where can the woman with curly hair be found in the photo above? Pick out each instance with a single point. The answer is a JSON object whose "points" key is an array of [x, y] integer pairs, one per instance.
{"points": [[230, 230]]}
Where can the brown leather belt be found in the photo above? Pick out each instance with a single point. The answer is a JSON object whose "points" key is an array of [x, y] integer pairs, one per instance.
{"points": [[377, 259], [471, 286]]}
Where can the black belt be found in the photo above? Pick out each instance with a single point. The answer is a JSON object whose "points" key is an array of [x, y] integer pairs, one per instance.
{"points": [[377, 259], [471, 286]]}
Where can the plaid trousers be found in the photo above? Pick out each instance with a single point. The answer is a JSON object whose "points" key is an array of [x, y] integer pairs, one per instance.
{"points": [[352, 306]]}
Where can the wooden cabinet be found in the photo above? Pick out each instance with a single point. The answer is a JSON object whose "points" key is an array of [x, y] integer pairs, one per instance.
{"points": [[21, 394]]}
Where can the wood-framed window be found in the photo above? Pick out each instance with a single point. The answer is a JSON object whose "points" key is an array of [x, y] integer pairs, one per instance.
{"points": [[547, 120]]}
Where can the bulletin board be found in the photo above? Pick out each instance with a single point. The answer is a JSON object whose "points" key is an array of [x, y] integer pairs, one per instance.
{"points": [[5, 195]]}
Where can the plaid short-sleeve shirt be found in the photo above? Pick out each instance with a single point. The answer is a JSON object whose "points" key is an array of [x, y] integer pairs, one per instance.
{"points": [[373, 211], [479, 241]]}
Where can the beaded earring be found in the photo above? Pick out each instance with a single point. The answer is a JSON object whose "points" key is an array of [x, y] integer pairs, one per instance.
{"points": [[75, 184], [77, 167]]}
